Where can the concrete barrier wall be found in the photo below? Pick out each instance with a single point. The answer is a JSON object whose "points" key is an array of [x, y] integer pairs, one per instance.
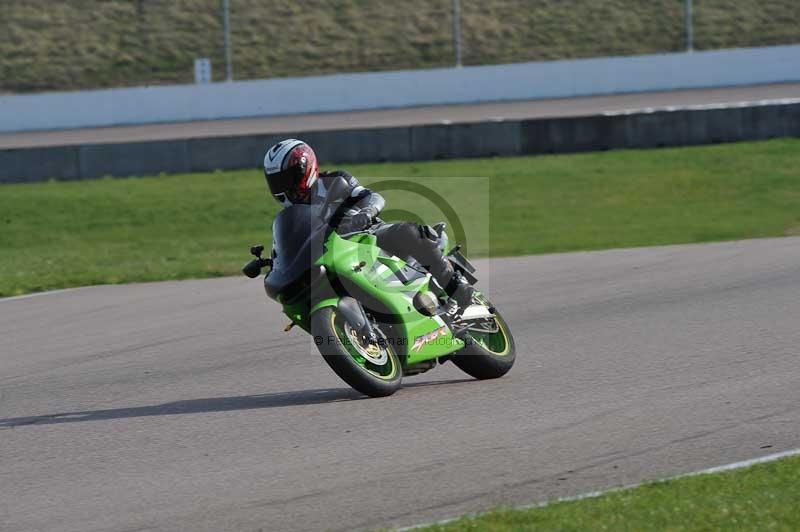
{"points": [[419, 143], [349, 92]]}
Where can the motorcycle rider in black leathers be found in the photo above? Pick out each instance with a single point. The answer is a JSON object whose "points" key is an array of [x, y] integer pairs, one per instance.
{"points": [[293, 176]]}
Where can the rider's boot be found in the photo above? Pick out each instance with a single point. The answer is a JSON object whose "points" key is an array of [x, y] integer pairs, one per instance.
{"points": [[460, 291], [457, 288]]}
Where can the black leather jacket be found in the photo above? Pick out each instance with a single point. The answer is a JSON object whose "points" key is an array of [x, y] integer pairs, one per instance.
{"points": [[357, 198]]}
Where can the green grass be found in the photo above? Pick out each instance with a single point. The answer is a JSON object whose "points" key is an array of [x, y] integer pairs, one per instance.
{"points": [[78, 44], [62, 234], [763, 497]]}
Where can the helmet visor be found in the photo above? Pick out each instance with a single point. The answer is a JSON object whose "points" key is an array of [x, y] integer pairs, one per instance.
{"points": [[285, 186]]}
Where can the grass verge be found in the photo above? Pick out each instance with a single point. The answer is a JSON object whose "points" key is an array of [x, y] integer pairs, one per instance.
{"points": [[63, 234], [762, 497]]}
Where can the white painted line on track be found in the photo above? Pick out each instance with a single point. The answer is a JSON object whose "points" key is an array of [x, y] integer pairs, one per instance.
{"points": [[702, 106], [743, 464], [40, 294], [593, 494]]}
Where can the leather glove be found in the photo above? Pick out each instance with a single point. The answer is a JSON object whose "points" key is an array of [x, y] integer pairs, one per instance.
{"points": [[361, 220]]}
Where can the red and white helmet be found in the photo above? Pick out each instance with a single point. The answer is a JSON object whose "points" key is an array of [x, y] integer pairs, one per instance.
{"points": [[291, 170]]}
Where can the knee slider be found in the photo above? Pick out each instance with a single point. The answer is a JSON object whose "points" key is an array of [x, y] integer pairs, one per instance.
{"points": [[408, 231]]}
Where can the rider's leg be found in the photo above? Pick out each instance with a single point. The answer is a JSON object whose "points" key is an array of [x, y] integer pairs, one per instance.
{"points": [[418, 241]]}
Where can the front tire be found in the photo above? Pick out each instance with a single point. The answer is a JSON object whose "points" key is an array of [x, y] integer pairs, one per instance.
{"points": [[373, 373], [488, 355]]}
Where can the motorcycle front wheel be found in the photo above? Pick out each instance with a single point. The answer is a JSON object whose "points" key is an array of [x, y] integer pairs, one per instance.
{"points": [[371, 369]]}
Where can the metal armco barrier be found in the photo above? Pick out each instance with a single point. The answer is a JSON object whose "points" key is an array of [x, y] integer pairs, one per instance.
{"points": [[683, 127]]}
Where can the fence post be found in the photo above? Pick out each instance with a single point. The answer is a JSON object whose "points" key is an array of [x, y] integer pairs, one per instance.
{"points": [[457, 31], [689, 27], [226, 30]]}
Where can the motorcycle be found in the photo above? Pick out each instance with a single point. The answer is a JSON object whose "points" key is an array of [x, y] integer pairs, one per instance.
{"points": [[374, 317]]}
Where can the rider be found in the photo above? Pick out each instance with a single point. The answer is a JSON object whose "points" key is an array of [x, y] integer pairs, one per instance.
{"points": [[293, 176]]}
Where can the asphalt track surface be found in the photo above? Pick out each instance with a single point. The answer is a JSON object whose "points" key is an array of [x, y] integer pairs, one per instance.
{"points": [[517, 110], [183, 405]]}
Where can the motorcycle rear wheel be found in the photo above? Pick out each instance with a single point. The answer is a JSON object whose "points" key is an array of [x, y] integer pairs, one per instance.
{"points": [[488, 355], [371, 370]]}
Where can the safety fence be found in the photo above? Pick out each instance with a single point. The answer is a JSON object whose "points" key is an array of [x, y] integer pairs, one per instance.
{"points": [[87, 44]]}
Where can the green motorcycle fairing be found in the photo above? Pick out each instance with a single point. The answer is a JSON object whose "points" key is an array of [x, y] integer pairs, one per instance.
{"points": [[358, 264]]}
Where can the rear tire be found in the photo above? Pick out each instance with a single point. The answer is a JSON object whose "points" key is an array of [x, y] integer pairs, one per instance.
{"points": [[487, 356], [343, 356]]}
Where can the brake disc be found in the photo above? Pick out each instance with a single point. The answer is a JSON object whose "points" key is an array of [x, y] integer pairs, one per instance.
{"points": [[371, 352]]}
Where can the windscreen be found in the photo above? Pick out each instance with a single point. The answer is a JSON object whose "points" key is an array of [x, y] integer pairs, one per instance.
{"points": [[298, 235]]}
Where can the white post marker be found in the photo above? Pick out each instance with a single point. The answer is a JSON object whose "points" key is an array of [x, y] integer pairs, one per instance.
{"points": [[202, 70]]}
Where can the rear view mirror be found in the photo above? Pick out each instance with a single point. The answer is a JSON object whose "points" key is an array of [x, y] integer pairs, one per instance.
{"points": [[253, 268]]}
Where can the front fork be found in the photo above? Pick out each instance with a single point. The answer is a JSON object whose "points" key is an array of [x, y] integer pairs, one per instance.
{"points": [[354, 313]]}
